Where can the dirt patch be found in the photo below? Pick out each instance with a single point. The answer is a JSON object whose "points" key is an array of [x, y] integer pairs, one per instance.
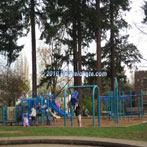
{"points": [[105, 122], [88, 122]]}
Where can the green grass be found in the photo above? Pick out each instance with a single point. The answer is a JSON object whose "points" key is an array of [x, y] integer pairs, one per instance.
{"points": [[137, 132]]}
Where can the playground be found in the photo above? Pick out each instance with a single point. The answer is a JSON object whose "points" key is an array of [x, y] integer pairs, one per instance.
{"points": [[73, 73], [119, 110]]}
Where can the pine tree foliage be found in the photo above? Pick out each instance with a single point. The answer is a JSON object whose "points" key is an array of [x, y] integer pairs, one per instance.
{"points": [[11, 28], [125, 53], [77, 22], [145, 12]]}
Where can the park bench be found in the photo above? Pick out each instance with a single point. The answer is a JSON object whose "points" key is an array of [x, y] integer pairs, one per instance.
{"points": [[105, 113], [134, 110]]}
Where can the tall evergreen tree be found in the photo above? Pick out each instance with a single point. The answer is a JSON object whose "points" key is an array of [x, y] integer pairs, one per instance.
{"points": [[11, 29], [124, 53], [145, 12], [83, 22], [33, 34], [98, 42], [112, 47], [74, 16], [114, 11], [29, 11]]}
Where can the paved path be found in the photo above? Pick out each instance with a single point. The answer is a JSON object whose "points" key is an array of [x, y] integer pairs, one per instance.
{"points": [[70, 140], [47, 145]]}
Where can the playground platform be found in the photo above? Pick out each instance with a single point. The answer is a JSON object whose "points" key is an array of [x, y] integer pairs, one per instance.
{"points": [[70, 140]]}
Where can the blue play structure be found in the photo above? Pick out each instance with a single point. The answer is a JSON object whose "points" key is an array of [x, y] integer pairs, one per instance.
{"points": [[48, 100], [60, 112], [74, 94], [10, 115], [117, 106], [117, 103]]}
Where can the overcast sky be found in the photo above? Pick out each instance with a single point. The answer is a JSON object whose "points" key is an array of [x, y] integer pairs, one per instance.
{"points": [[134, 17]]}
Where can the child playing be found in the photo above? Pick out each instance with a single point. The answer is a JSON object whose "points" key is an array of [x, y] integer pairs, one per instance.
{"points": [[58, 105], [78, 115], [33, 115], [26, 122], [39, 106]]}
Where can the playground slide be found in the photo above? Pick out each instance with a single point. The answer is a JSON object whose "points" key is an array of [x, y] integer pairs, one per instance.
{"points": [[54, 115], [56, 109]]}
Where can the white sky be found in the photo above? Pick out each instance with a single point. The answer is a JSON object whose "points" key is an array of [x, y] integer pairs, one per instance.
{"points": [[135, 16]]}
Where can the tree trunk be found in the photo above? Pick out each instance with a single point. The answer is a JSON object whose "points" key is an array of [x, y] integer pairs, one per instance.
{"points": [[98, 41], [79, 61], [34, 76], [75, 52], [112, 44]]}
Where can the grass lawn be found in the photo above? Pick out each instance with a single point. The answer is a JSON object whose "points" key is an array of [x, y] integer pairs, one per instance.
{"points": [[137, 132]]}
